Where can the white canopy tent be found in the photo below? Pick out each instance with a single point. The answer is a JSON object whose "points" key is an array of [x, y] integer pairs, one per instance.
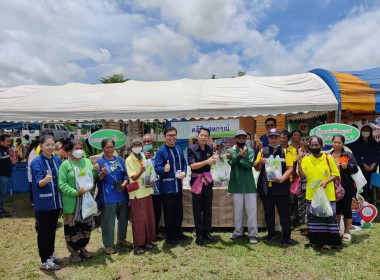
{"points": [[233, 97]]}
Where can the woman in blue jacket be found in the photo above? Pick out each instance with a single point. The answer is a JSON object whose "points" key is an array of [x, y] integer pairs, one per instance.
{"points": [[47, 201]]}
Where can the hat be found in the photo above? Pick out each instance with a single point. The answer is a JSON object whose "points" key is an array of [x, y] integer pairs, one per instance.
{"points": [[273, 131], [240, 132]]}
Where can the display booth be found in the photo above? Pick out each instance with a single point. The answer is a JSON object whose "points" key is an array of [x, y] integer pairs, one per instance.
{"points": [[230, 104]]}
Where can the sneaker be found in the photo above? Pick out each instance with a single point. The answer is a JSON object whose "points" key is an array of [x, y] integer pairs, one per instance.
{"points": [[49, 265], [183, 237], [84, 254], [289, 242], [269, 238], [235, 236], [75, 258], [253, 240], [55, 259]]}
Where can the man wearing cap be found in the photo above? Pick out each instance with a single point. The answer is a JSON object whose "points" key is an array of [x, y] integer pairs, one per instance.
{"points": [[269, 124], [200, 157], [242, 187], [275, 194]]}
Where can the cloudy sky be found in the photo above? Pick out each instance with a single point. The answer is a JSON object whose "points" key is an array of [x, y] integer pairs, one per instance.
{"points": [[57, 42]]}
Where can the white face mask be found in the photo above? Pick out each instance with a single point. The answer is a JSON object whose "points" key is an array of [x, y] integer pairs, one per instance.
{"points": [[77, 153], [365, 134], [137, 150]]}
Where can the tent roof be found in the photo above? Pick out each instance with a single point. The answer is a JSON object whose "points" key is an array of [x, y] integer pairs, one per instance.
{"points": [[356, 91], [233, 97]]}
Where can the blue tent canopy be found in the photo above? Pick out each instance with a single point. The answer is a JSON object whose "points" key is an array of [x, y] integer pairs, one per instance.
{"points": [[18, 125]]}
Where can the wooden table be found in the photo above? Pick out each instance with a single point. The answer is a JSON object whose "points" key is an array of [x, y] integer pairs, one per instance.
{"points": [[222, 210]]}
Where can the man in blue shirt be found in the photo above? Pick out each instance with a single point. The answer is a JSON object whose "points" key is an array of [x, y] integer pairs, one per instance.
{"points": [[171, 166], [200, 158], [269, 123]]}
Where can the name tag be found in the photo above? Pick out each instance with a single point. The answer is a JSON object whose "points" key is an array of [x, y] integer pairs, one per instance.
{"points": [[46, 194]]}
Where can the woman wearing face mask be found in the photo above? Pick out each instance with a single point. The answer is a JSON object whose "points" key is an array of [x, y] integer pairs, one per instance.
{"points": [[320, 171], [347, 165], [140, 200], [367, 154], [47, 201], [77, 232], [112, 197]]}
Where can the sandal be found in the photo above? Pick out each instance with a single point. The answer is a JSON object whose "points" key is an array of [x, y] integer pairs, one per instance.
{"points": [[311, 246], [138, 250], [124, 242], [325, 248], [148, 245], [346, 237], [109, 250]]}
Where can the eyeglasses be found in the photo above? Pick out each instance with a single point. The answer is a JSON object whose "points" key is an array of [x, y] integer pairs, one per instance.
{"points": [[171, 135], [269, 125]]}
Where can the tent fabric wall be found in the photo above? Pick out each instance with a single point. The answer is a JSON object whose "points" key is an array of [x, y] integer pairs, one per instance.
{"points": [[356, 91], [233, 97]]}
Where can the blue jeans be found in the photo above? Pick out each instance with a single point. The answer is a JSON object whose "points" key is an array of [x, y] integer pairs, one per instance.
{"points": [[4, 182]]}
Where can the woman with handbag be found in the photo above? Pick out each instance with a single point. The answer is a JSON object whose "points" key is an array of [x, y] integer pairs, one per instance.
{"points": [[77, 231], [320, 172], [347, 165], [112, 197], [140, 199]]}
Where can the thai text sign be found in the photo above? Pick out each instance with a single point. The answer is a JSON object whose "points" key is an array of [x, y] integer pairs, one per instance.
{"points": [[327, 131], [97, 137], [218, 128]]}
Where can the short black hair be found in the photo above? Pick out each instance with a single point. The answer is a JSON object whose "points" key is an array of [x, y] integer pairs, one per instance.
{"points": [[339, 136], [296, 130], [107, 140], [26, 136], [271, 119], [4, 136], [286, 133], [205, 129], [46, 137], [170, 128]]}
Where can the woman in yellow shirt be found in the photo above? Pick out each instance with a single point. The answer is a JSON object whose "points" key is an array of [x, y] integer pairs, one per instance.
{"points": [[140, 200], [320, 171]]}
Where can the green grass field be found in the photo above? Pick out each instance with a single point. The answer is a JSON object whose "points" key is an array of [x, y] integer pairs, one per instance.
{"points": [[223, 260]]}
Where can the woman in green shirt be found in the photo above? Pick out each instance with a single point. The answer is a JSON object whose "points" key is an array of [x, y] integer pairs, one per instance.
{"points": [[77, 232]]}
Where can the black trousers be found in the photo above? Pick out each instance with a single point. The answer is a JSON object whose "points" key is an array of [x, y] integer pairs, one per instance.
{"points": [[202, 210], [46, 225], [367, 192], [173, 214], [157, 206], [281, 202]]}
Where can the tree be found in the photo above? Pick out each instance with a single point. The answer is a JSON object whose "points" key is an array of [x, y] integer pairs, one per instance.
{"points": [[240, 73], [115, 78]]}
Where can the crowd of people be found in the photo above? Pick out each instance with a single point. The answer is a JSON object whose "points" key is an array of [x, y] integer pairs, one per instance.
{"points": [[122, 189]]}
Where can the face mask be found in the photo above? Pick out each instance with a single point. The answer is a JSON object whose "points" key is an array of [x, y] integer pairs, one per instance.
{"points": [[240, 145], [365, 134], [148, 147], [137, 150], [274, 147], [315, 151], [218, 141], [77, 153]]}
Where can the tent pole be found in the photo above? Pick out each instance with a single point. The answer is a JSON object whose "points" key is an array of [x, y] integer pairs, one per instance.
{"points": [[156, 133], [338, 116]]}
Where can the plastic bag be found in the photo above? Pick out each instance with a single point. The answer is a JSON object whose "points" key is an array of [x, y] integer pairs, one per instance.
{"points": [[89, 206], [273, 168], [359, 180], [149, 175], [186, 180], [320, 205], [84, 179]]}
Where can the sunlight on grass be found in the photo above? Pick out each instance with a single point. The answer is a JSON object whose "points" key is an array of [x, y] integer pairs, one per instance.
{"points": [[223, 260]]}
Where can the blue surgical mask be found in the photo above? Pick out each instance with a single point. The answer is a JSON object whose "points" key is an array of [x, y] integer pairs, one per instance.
{"points": [[274, 147], [218, 141]]}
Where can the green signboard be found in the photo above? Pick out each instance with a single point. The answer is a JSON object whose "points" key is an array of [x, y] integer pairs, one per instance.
{"points": [[327, 131], [97, 137]]}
